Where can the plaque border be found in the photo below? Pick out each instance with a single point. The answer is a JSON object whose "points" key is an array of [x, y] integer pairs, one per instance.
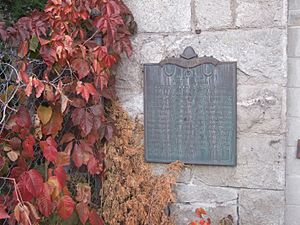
{"points": [[191, 63]]}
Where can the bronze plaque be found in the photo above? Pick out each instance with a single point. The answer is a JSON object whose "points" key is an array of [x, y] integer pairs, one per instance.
{"points": [[190, 110]]}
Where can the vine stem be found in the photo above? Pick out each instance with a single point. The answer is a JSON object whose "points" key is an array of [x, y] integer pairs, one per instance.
{"points": [[18, 195]]}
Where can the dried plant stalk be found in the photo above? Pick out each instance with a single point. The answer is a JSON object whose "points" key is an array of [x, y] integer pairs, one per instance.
{"points": [[132, 194]]}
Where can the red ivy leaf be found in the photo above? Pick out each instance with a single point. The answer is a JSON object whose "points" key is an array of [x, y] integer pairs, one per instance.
{"points": [[95, 219], [15, 143], [33, 182], [83, 119], [39, 87], [44, 202], [65, 207], [77, 156], [49, 149], [94, 166], [26, 195], [23, 49], [61, 175], [23, 118], [81, 67], [3, 213], [48, 54], [27, 145], [83, 212], [85, 89]]}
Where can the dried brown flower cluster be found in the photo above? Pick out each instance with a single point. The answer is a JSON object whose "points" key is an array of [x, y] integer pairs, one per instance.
{"points": [[132, 194]]}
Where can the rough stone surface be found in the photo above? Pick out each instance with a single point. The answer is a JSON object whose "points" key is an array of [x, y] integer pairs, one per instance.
{"points": [[292, 163], [260, 13], [258, 53], [205, 194], [293, 120], [293, 132], [294, 72], [294, 18], [293, 40], [261, 207], [206, 11], [294, 4], [260, 110], [292, 215], [293, 102], [293, 190], [162, 15], [256, 153]]}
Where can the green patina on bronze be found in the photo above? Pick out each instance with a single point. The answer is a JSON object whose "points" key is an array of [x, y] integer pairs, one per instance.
{"points": [[190, 110]]}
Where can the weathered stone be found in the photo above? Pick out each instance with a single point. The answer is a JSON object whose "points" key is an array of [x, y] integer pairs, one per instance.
{"points": [[294, 40], [258, 13], [293, 190], [257, 57], [258, 52], [293, 134], [184, 177], [261, 207], [205, 194], [294, 72], [293, 102], [206, 11], [294, 18], [292, 215], [161, 15], [185, 213], [260, 164], [294, 4], [261, 109], [292, 163]]}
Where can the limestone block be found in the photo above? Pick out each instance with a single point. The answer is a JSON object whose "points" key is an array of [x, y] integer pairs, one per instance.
{"points": [[261, 207], [293, 190], [161, 15], [294, 4], [213, 14], [205, 194], [260, 164], [293, 95], [294, 40], [292, 163], [260, 13], [292, 215], [294, 17], [258, 52], [294, 72], [293, 131], [261, 109]]}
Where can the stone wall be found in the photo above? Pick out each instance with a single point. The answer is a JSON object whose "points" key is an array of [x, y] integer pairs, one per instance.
{"points": [[253, 33], [293, 119]]}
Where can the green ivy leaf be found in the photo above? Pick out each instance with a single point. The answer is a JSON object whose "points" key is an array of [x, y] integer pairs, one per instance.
{"points": [[34, 43], [73, 220]]}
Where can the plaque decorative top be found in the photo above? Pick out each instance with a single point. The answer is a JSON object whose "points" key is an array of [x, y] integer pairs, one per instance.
{"points": [[190, 110]]}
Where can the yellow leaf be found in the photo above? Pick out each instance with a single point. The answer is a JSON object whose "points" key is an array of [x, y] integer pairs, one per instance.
{"points": [[44, 113], [55, 186]]}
